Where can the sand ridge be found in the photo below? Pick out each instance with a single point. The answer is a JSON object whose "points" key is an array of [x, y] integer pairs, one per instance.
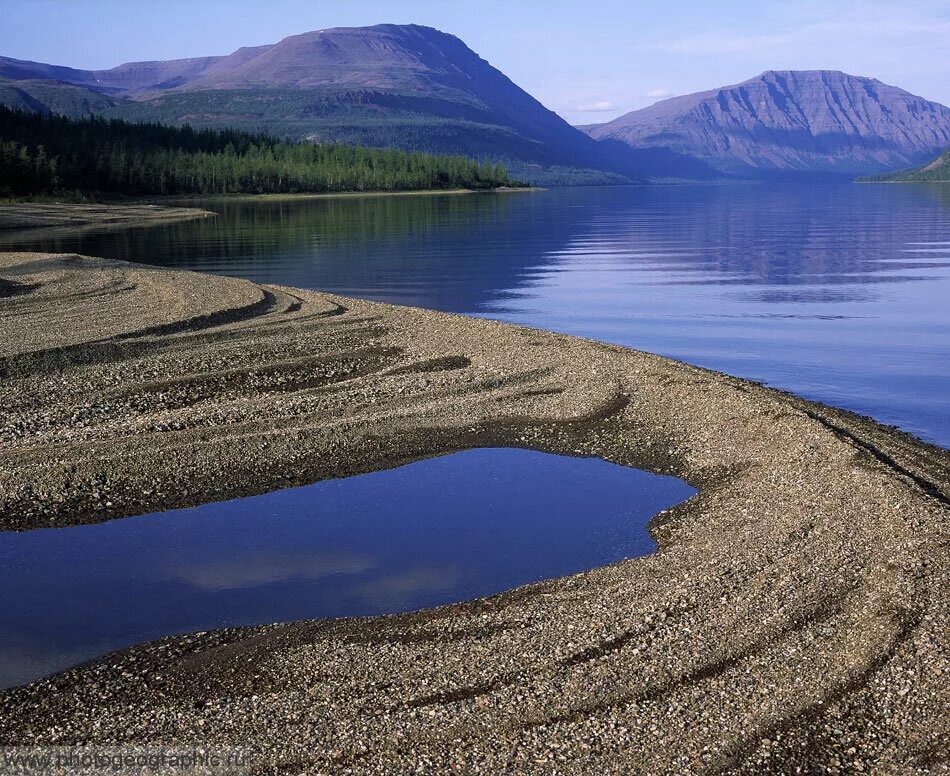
{"points": [[70, 215]]}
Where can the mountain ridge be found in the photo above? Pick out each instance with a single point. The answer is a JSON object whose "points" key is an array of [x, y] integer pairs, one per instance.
{"points": [[792, 121], [413, 87], [407, 86]]}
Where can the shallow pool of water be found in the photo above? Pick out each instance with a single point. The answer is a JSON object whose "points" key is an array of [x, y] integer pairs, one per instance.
{"points": [[432, 532]]}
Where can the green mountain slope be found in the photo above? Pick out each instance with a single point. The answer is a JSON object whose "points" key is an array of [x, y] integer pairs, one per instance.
{"points": [[938, 171], [42, 154], [55, 97], [400, 86]]}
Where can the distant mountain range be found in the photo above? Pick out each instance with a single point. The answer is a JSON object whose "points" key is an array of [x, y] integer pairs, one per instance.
{"points": [[404, 86], [815, 121], [413, 87]]}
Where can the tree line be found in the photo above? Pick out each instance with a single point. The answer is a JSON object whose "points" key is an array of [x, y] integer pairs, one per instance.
{"points": [[937, 171], [43, 154]]}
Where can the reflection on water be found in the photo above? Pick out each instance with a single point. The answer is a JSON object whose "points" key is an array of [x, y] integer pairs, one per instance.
{"points": [[441, 530], [837, 292]]}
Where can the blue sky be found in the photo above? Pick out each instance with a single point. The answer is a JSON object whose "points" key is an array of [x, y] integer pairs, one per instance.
{"points": [[589, 61]]}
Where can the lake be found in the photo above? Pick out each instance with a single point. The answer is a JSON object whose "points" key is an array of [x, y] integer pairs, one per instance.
{"points": [[836, 292], [432, 532]]}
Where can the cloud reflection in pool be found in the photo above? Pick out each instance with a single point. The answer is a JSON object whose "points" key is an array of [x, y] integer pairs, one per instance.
{"points": [[432, 532]]}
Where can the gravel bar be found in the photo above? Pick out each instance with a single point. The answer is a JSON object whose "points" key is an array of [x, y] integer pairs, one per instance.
{"points": [[795, 618]]}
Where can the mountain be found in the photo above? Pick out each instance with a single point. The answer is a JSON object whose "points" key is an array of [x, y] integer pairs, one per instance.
{"points": [[416, 88], [790, 122], [937, 171], [54, 97], [404, 86]]}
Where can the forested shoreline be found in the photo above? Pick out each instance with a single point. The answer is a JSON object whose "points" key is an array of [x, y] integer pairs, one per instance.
{"points": [[938, 171], [41, 154]]}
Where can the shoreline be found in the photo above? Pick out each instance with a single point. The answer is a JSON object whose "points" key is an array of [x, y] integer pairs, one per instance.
{"points": [[47, 213], [340, 194], [794, 615], [21, 216], [924, 183]]}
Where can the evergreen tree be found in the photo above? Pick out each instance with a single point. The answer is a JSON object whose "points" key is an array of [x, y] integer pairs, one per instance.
{"points": [[49, 154]]}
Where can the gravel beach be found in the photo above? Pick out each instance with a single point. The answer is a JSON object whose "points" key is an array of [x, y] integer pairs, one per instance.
{"points": [[796, 618], [38, 215]]}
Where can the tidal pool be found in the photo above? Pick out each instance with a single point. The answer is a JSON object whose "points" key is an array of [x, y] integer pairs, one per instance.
{"points": [[432, 532]]}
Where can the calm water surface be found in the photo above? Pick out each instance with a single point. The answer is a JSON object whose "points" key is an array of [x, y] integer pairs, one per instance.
{"points": [[432, 532], [837, 292]]}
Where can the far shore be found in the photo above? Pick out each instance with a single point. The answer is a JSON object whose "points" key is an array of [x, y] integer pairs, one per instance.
{"points": [[924, 183], [48, 212], [336, 194]]}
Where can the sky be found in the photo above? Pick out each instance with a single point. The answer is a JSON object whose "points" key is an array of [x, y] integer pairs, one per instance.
{"points": [[588, 61]]}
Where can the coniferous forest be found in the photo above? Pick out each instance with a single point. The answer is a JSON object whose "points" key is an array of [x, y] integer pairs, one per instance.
{"points": [[41, 154], [938, 171]]}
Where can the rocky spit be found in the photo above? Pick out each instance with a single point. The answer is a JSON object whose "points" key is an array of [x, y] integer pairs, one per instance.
{"points": [[794, 620], [65, 215]]}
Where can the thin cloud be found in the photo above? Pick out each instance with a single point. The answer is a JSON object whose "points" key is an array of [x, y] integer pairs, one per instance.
{"points": [[712, 43], [256, 570], [596, 107], [815, 36], [658, 94], [400, 589]]}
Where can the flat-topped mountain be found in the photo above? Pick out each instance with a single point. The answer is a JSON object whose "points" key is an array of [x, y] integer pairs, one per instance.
{"points": [[385, 56], [791, 121], [416, 88], [406, 86]]}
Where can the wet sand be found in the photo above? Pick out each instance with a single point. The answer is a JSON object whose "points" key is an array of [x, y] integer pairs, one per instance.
{"points": [[794, 620]]}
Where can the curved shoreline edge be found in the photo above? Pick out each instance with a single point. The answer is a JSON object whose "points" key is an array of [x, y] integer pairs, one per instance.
{"points": [[796, 615], [52, 216]]}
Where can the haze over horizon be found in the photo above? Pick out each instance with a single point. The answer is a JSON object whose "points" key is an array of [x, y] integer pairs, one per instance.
{"points": [[587, 63]]}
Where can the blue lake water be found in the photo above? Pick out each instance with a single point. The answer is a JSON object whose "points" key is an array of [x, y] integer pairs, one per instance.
{"points": [[837, 292], [428, 533]]}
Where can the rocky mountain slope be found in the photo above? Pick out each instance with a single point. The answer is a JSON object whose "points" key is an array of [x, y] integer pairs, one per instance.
{"points": [[406, 86], [814, 121], [413, 87]]}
